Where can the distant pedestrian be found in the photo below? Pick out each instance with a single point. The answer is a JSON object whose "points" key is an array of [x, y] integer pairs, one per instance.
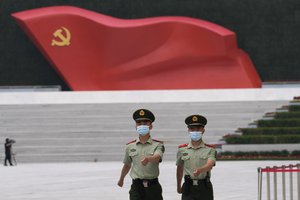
{"points": [[143, 156], [195, 161], [8, 151]]}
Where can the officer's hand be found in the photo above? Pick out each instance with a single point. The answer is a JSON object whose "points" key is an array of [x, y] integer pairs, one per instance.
{"points": [[179, 190], [197, 172], [144, 161], [120, 183]]}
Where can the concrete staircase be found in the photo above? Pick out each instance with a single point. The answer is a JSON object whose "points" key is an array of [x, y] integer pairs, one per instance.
{"points": [[100, 131]]}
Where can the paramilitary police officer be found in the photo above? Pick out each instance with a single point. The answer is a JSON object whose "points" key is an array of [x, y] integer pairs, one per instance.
{"points": [[195, 160], [144, 154]]}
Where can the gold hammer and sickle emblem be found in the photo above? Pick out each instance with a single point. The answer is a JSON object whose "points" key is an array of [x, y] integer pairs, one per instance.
{"points": [[64, 39]]}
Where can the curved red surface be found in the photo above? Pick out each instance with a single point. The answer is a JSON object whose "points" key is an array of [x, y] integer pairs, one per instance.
{"points": [[106, 53]]}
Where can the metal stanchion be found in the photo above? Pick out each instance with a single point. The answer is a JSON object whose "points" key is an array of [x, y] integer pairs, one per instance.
{"points": [[259, 170], [291, 183], [283, 184], [275, 184], [268, 184], [298, 180]]}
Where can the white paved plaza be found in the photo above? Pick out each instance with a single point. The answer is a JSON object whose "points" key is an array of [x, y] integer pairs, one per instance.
{"points": [[232, 180]]}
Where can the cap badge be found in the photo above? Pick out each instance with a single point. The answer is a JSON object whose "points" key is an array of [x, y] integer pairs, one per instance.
{"points": [[194, 119], [142, 113]]}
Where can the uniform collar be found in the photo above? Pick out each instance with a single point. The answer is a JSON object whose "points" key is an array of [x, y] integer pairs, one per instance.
{"points": [[148, 141], [200, 146]]}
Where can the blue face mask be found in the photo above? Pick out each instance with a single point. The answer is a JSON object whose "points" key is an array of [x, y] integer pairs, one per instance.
{"points": [[195, 135], [142, 130]]}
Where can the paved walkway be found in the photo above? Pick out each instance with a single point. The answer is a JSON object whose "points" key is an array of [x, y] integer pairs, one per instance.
{"points": [[235, 180]]}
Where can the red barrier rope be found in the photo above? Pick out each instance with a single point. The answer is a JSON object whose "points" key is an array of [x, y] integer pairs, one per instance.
{"points": [[288, 168], [280, 170]]}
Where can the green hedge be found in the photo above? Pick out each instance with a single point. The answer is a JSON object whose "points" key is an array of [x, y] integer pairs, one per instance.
{"points": [[263, 139], [279, 123], [271, 131], [259, 153], [295, 153], [283, 129], [285, 115], [294, 108]]}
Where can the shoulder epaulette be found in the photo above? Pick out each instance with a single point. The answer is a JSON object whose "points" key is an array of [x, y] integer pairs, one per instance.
{"points": [[183, 145], [210, 146], [131, 142], [157, 140]]}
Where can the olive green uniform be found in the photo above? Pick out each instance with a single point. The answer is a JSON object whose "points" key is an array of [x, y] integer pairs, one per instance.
{"points": [[145, 184], [200, 187]]}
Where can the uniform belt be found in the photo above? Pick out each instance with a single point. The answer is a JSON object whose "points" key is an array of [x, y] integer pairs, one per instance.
{"points": [[145, 182], [194, 181]]}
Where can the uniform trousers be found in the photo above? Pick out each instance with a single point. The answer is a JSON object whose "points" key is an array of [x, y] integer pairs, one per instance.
{"points": [[139, 192], [203, 191], [7, 158]]}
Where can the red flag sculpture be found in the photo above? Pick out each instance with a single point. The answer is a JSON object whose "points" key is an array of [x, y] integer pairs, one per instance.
{"points": [[92, 51]]}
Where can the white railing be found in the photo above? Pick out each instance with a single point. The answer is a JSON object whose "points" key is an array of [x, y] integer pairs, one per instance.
{"points": [[292, 183]]}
